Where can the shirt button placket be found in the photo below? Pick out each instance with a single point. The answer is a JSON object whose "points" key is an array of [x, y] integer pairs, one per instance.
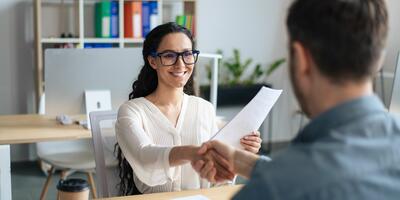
{"points": [[178, 179]]}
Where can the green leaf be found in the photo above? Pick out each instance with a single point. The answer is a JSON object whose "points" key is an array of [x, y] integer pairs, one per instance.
{"points": [[275, 66], [246, 63]]}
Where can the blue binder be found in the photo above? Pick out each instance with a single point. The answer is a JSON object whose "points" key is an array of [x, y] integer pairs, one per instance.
{"points": [[114, 24]]}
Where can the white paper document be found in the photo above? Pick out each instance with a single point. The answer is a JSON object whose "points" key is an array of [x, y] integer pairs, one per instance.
{"points": [[249, 118]]}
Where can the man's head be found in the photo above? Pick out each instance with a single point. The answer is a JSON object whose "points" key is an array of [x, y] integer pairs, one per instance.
{"points": [[339, 41]]}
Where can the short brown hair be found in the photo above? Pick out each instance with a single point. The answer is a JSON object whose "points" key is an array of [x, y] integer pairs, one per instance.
{"points": [[345, 37]]}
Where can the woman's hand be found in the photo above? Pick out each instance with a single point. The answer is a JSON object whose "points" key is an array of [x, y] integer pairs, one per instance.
{"points": [[251, 142], [214, 167]]}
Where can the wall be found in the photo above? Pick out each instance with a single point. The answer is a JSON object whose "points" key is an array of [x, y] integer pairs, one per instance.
{"points": [[258, 29], [16, 63], [392, 50]]}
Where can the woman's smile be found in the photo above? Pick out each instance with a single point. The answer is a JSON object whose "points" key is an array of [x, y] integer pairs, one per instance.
{"points": [[179, 74]]}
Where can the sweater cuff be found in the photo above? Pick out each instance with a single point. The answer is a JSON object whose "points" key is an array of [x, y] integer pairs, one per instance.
{"points": [[166, 164]]}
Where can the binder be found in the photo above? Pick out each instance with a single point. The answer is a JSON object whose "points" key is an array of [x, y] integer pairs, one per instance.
{"points": [[153, 14], [146, 17], [128, 19], [193, 26], [114, 23], [180, 20], [188, 24], [102, 19], [137, 19]]}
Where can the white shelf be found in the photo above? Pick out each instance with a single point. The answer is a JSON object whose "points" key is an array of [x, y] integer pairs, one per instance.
{"points": [[59, 40], [58, 2], [101, 40], [92, 40], [79, 9]]}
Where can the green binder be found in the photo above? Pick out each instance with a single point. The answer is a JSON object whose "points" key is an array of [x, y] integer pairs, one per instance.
{"points": [[180, 20], [102, 19]]}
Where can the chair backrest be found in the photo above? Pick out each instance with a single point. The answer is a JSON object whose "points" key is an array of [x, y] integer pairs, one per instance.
{"points": [[104, 140], [45, 149]]}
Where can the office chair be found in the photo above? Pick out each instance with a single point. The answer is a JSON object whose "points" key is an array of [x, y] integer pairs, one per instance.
{"points": [[67, 156], [104, 140]]}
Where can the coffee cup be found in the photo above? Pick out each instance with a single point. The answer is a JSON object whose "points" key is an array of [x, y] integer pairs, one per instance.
{"points": [[73, 189]]}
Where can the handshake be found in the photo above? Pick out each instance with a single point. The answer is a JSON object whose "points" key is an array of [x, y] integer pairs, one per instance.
{"points": [[218, 162]]}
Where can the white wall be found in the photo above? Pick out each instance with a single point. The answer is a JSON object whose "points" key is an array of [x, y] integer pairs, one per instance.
{"points": [[393, 45], [16, 63], [257, 28], [393, 48]]}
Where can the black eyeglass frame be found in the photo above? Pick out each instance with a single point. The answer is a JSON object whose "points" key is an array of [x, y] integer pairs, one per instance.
{"points": [[179, 54]]}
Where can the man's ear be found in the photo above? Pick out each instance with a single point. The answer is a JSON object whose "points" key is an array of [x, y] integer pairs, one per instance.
{"points": [[302, 58], [152, 61]]}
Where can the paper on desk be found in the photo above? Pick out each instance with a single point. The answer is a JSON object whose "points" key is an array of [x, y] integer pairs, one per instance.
{"points": [[195, 197], [249, 118]]}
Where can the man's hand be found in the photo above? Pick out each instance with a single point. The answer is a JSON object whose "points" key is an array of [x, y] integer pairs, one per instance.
{"points": [[213, 167], [223, 161], [219, 164], [251, 142]]}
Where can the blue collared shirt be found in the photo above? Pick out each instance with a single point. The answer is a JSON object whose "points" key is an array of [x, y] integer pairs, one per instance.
{"points": [[349, 152]]}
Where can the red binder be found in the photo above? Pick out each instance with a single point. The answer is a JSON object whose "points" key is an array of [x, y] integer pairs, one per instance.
{"points": [[128, 19]]}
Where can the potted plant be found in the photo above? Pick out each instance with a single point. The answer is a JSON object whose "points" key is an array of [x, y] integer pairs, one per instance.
{"points": [[234, 88]]}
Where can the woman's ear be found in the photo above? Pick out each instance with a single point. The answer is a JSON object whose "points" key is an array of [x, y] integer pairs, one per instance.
{"points": [[152, 61]]}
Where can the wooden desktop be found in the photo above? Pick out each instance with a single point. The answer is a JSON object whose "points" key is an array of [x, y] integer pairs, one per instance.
{"points": [[20, 129], [217, 193]]}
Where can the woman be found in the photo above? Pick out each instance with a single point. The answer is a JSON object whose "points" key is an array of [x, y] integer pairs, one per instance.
{"points": [[160, 128]]}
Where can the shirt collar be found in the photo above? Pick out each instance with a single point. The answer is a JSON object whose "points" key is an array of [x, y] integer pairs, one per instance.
{"points": [[319, 127]]}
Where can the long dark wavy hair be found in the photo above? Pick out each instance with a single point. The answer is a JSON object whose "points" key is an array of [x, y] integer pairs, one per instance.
{"points": [[146, 84]]}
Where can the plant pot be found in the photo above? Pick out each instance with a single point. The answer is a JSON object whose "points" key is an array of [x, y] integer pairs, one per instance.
{"points": [[233, 95]]}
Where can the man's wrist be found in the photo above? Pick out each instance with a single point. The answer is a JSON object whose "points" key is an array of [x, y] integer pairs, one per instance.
{"points": [[244, 162]]}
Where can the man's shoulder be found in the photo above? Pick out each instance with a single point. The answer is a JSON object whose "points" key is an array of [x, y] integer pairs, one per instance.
{"points": [[284, 176], [305, 171]]}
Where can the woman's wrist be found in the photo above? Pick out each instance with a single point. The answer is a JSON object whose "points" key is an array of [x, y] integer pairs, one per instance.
{"points": [[182, 154]]}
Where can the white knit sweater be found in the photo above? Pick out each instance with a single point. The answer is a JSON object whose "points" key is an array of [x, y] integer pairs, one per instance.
{"points": [[146, 137]]}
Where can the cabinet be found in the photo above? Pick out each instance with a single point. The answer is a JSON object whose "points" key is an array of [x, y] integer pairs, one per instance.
{"points": [[82, 24]]}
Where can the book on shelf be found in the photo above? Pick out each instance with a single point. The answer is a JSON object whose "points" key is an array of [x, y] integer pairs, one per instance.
{"points": [[149, 16], [140, 17], [102, 19], [145, 18], [154, 22], [128, 19], [137, 19], [114, 23], [187, 21], [133, 19]]}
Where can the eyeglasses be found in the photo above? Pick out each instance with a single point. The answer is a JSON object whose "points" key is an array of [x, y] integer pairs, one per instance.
{"points": [[169, 58]]}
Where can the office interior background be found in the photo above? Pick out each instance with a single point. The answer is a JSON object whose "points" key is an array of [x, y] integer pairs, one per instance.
{"points": [[255, 27]]}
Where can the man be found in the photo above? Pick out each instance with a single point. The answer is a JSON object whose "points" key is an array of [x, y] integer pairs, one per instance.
{"points": [[351, 147]]}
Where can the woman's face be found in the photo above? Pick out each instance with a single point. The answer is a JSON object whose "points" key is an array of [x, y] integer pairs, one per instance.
{"points": [[177, 74]]}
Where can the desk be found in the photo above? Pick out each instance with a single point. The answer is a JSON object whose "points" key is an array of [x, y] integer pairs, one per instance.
{"points": [[19, 129], [217, 193]]}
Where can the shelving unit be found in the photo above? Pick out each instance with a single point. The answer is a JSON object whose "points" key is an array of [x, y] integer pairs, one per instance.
{"points": [[81, 39]]}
